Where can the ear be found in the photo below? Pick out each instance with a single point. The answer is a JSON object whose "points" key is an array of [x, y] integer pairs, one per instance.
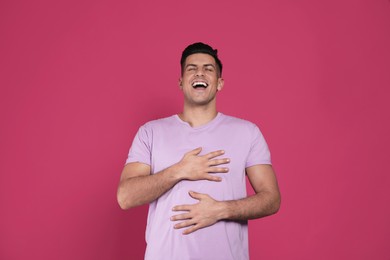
{"points": [[181, 83], [220, 84]]}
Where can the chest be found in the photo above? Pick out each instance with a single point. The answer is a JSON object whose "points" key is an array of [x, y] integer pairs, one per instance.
{"points": [[169, 147]]}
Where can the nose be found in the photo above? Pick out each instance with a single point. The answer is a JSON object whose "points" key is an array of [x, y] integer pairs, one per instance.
{"points": [[199, 72]]}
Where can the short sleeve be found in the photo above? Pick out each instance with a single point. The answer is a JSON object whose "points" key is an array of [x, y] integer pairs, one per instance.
{"points": [[140, 150], [259, 152]]}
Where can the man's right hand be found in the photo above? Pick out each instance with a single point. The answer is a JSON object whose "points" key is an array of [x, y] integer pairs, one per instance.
{"points": [[137, 186], [200, 167]]}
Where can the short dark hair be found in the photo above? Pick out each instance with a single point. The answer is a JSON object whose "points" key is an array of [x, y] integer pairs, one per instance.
{"points": [[200, 47]]}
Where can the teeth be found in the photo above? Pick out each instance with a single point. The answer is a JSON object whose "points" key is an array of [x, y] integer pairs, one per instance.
{"points": [[199, 83]]}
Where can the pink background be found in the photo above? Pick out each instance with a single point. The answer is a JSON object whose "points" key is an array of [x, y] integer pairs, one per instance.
{"points": [[79, 77]]}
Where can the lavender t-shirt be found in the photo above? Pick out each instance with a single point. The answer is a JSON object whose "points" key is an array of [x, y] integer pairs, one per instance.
{"points": [[162, 143]]}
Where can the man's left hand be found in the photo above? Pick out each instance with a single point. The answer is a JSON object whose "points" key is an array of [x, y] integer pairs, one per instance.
{"points": [[202, 214]]}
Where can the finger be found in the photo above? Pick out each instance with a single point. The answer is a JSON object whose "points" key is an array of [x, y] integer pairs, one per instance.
{"points": [[209, 177], [195, 151], [181, 217], [214, 154], [219, 161], [218, 170], [184, 224], [182, 208], [196, 195], [191, 230]]}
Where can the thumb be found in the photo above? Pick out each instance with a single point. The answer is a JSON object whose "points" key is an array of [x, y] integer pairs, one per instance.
{"points": [[196, 151], [196, 195]]}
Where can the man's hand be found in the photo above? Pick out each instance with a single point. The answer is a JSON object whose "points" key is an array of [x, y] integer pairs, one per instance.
{"points": [[137, 186], [195, 167], [203, 214]]}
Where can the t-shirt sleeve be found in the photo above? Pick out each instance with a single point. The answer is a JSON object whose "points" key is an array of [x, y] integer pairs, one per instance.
{"points": [[140, 150], [259, 152]]}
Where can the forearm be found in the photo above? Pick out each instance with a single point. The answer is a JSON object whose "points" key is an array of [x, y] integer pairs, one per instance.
{"points": [[138, 186], [141, 190], [257, 206], [209, 211]]}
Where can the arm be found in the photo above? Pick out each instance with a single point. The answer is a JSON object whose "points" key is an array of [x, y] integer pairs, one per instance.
{"points": [[265, 202], [137, 186], [208, 211]]}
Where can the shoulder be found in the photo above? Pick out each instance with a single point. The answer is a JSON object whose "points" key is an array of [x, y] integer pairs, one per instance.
{"points": [[241, 126], [159, 123], [237, 122], [148, 130]]}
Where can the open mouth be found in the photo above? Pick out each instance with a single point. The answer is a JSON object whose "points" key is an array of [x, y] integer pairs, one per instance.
{"points": [[199, 84]]}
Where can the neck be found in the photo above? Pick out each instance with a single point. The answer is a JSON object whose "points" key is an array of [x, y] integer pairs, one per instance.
{"points": [[197, 116]]}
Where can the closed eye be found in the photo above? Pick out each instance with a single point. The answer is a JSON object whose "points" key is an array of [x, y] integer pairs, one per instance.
{"points": [[190, 67], [209, 67]]}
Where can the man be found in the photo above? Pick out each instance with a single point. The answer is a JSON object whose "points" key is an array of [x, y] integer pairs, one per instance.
{"points": [[191, 168]]}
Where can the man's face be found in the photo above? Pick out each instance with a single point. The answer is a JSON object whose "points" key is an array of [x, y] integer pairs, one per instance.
{"points": [[200, 80]]}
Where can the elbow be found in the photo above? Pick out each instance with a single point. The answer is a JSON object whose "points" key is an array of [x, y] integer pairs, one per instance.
{"points": [[128, 199], [272, 204], [269, 204], [123, 205], [275, 204], [123, 201]]}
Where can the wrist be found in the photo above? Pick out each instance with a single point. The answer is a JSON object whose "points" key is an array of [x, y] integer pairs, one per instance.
{"points": [[224, 210], [175, 172]]}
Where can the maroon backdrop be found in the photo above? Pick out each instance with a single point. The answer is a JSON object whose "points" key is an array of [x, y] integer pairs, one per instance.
{"points": [[79, 77]]}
